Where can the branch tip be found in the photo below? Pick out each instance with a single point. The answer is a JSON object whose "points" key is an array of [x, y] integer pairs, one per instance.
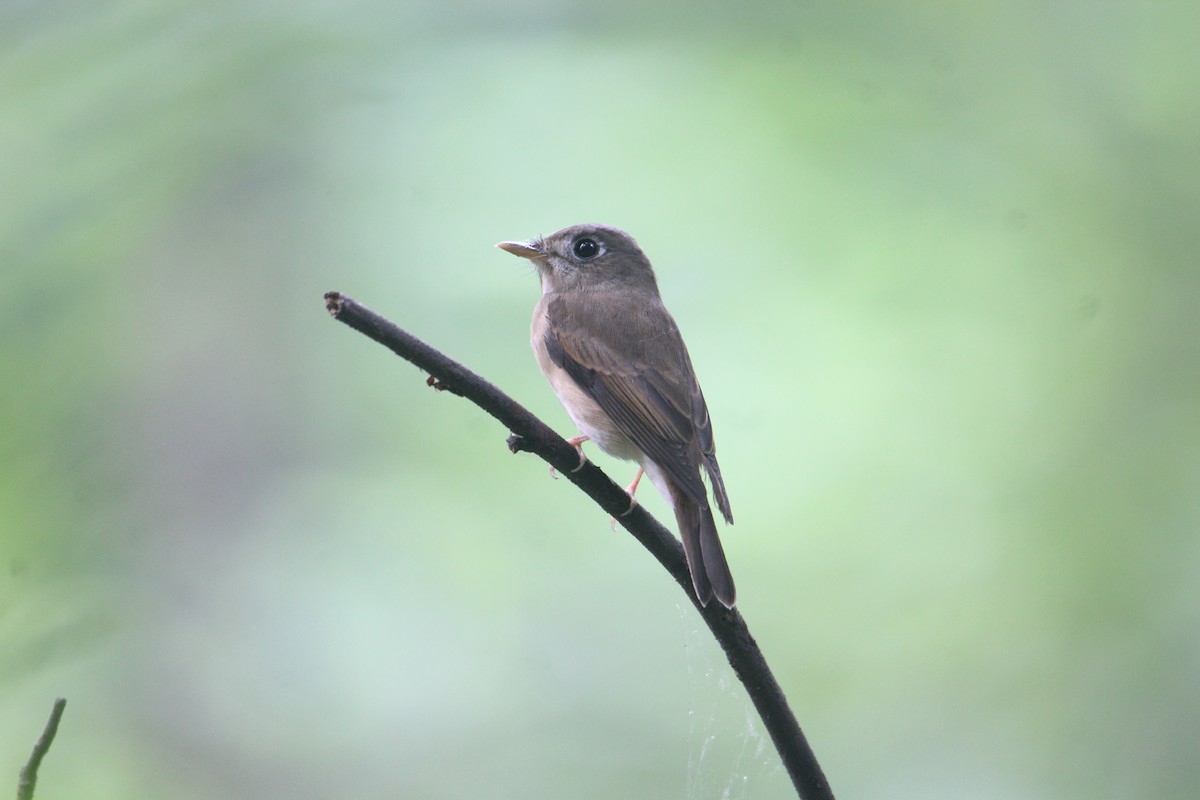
{"points": [[333, 303], [28, 778]]}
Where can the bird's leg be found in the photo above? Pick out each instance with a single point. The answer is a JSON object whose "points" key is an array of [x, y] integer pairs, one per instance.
{"points": [[577, 443], [630, 490]]}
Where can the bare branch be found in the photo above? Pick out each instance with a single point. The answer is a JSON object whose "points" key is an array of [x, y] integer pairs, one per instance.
{"points": [[532, 435], [28, 778]]}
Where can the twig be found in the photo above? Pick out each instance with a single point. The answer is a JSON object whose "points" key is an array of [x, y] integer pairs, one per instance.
{"points": [[28, 778], [530, 434]]}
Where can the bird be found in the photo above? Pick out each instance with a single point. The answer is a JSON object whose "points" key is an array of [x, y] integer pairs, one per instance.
{"points": [[614, 356]]}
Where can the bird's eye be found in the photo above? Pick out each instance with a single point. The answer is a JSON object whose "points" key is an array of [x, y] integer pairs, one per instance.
{"points": [[586, 248]]}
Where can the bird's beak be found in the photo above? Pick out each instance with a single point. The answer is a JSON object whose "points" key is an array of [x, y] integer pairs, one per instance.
{"points": [[522, 249]]}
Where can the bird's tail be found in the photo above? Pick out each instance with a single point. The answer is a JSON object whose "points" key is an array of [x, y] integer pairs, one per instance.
{"points": [[705, 557]]}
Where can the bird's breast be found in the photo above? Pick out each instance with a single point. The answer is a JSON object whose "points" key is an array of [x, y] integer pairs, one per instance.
{"points": [[589, 418]]}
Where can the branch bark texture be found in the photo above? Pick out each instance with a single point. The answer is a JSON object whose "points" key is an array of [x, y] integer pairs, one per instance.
{"points": [[530, 434]]}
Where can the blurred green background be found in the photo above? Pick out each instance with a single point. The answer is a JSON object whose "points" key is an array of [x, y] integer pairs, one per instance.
{"points": [[936, 264]]}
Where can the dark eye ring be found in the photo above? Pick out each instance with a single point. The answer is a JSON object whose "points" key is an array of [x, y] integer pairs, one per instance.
{"points": [[586, 248]]}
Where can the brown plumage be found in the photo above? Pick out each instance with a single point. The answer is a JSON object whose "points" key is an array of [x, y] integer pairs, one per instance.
{"points": [[614, 356]]}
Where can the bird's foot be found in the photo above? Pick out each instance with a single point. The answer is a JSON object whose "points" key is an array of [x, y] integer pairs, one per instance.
{"points": [[577, 443], [630, 490]]}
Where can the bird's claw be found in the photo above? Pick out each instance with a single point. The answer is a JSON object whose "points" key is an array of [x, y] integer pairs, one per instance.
{"points": [[577, 443], [633, 503], [630, 490]]}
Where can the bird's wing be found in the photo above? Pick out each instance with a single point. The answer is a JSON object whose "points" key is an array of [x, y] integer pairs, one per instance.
{"points": [[636, 368]]}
